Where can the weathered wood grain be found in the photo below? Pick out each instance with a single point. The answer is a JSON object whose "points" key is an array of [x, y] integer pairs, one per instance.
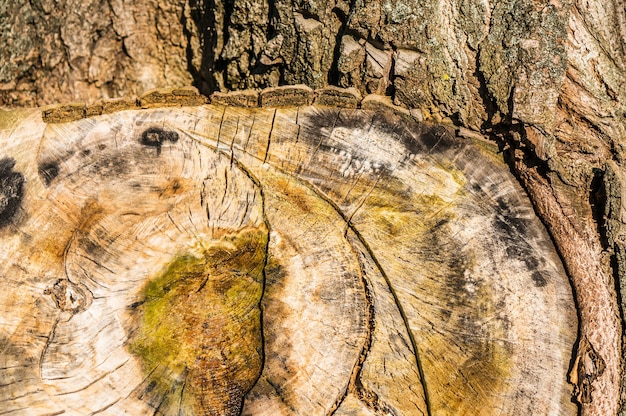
{"points": [[312, 260]]}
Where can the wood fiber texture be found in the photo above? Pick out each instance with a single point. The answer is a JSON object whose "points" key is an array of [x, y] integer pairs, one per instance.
{"points": [[217, 260]]}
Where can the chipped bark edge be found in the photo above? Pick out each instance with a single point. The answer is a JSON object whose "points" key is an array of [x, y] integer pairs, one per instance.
{"points": [[274, 97]]}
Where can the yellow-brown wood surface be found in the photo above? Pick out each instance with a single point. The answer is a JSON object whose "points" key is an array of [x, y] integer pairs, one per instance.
{"points": [[218, 260]]}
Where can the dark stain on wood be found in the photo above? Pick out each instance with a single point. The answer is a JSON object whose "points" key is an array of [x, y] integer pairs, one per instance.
{"points": [[48, 171], [155, 136], [11, 190], [438, 139], [511, 228], [112, 164], [539, 280]]}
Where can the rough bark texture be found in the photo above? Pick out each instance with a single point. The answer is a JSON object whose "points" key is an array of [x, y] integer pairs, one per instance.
{"points": [[545, 79], [60, 51]]}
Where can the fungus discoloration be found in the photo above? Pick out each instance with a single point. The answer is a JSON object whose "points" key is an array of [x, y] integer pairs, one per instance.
{"points": [[11, 190], [156, 136], [48, 171], [199, 323]]}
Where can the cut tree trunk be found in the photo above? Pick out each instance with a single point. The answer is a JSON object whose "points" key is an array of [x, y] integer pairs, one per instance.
{"points": [[307, 260], [546, 81]]}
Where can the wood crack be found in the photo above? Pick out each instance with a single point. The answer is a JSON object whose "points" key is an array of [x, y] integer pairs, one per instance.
{"points": [[44, 351], [104, 408], [354, 385], [267, 223], [106, 374], [269, 138], [404, 319], [338, 210]]}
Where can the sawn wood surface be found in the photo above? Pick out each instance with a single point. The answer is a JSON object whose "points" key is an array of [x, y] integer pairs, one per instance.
{"points": [[217, 260]]}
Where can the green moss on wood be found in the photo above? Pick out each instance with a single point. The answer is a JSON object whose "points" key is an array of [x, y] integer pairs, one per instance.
{"points": [[200, 323]]}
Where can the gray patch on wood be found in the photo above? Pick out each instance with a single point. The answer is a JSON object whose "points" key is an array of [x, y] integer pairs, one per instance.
{"points": [[11, 190]]}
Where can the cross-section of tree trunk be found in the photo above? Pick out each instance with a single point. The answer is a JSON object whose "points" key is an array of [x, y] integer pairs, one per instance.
{"points": [[301, 261]]}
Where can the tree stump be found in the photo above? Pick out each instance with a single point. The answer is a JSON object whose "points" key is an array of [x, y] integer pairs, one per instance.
{"points": [[217, 260]]}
